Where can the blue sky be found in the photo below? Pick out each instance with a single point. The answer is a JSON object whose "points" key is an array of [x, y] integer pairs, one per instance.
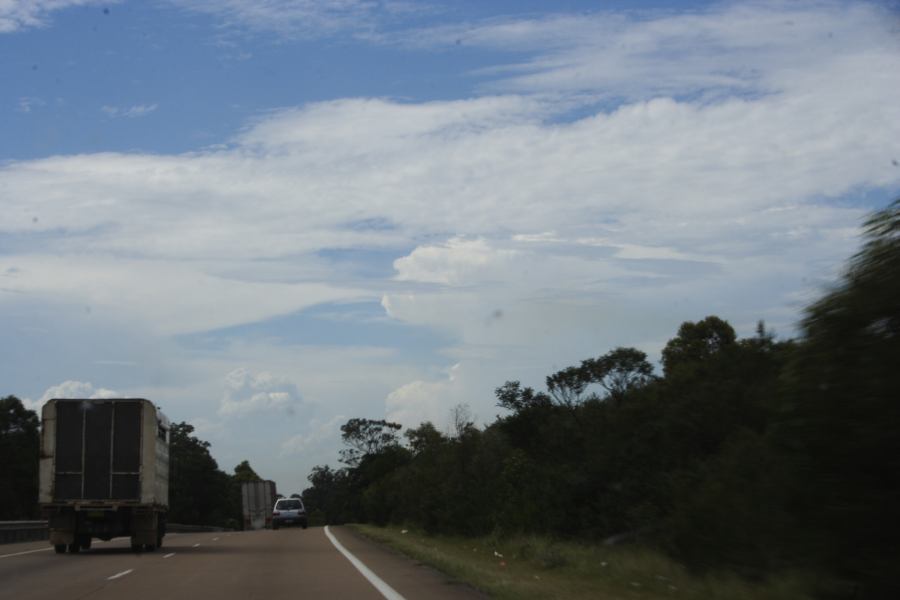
{"points": [[272, 216]]}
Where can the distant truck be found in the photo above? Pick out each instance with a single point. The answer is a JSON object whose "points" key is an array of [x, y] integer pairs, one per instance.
{"points": [[104, 472], [257, 501]]}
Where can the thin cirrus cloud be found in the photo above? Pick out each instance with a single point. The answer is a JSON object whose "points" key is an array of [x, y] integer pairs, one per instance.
{"points": [[129, 112], [727, 177], [736, 48], [302, 18], [16, 15]]}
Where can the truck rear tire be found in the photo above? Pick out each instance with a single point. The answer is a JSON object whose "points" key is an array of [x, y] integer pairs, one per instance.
{"points": [[74, 548], [59, 548]]}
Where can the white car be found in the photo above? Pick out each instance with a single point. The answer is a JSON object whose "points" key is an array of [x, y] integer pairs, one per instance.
{"points": [[289, 511]]}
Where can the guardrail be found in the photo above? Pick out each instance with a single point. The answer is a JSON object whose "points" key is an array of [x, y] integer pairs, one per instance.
{"points": [[23, 531], [31, 531], [180, 528]]}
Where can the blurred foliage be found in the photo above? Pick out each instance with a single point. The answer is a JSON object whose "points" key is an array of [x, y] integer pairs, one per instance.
{"points": [[752, 455], [19, 455]]}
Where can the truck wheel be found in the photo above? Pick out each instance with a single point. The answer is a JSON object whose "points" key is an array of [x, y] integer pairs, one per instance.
{"points": [[60, 548], [135, 547], [84, 541], [150, 547], [74, 548]]}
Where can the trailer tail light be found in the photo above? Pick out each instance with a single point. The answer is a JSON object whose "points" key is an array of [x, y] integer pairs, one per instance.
{"points": [[275, 513]]}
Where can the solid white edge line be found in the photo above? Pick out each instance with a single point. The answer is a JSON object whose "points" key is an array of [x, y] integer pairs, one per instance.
{"points": [[169, 555], [51, 548], [386, 590], [26, 552], [196, 545], [122, 574]]}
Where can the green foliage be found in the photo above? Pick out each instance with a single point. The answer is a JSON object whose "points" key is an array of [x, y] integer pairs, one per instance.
{"points": [[244, 472], [366, 437], [19, 455], [199, 493], [696, 343], [753, 455], [841, 417]]}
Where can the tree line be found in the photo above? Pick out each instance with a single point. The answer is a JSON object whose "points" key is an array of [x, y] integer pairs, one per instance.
{"points": [[199, 492], [753, 455]]}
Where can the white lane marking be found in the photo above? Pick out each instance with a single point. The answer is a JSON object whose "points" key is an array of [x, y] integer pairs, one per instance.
{"points": [[386, 590], [196, 545], [26, 552], [169, 555], [122, 574], [215, 539], [51, 548]]}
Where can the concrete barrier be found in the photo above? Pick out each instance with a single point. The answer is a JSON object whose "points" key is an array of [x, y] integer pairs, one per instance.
{"points": [[32, 531]]}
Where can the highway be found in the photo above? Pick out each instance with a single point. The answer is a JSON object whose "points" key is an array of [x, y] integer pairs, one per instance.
{"points": [[263, 565]]}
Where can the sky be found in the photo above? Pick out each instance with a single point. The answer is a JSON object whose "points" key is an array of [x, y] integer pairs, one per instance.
{"points": [[272, 216]]}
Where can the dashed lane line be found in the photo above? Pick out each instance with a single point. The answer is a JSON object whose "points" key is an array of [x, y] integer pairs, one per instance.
{"points": [[379, 584], [122, 574], [196, 545], [169, 555]]}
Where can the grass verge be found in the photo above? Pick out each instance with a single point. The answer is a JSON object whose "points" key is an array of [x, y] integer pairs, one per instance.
{"points": [[536, 567]]}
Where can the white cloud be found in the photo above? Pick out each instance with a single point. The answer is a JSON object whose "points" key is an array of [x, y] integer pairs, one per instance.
{"points": [[758, 47], [27, 104], [418, 401], [129, 112], [70, 389], [529, 240], [318, 434], [248, 393], [24, 14], [454, 262], [181, 299], [299, 18]]}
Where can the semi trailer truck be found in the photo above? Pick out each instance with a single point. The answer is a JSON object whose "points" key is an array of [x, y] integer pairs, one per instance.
{"points": [[104, 472], [257, 502]]}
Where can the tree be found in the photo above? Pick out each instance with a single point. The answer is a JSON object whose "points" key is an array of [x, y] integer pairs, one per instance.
{"points": [[567, 385], [328, 499], [366, 437], [20, 450], [697, 342], [513, 397], [244, 472], [199, 493], [424, 438], [619, 371], [841, 420]]}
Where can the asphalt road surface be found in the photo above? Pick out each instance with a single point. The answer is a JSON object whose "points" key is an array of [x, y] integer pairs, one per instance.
{"points": [[250, 565]]}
